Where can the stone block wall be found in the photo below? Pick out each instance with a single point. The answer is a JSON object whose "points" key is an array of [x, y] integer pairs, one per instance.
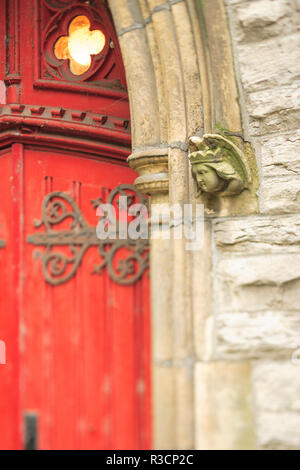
{"points": [[225, 319], [255, 320]]}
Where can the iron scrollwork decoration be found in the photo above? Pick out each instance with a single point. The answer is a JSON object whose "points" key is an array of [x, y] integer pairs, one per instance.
{"points": [[126, 270]]}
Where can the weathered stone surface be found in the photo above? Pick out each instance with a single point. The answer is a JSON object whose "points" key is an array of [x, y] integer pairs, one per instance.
{"points": [[273, 110], [191, 76], [277, 122], [235, 2], [260, 270], [161, 315], [274, 390], [126, 16], [201, 264], [276, 387], [224, 418], [259, 234], [164, 397], [172, 75], [280, 194], [253, 298], [257, 302], [255, 335], [280, 154], [278, 430], [257, 297], [269, 63], [264, 103], [173, 415], [262, 13], [224, 106], [262, 19], [253, 283], [139, 70], [185, 406]]}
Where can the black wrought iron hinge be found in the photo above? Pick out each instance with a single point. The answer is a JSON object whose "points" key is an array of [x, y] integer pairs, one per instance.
{"points": [[59, 268]]}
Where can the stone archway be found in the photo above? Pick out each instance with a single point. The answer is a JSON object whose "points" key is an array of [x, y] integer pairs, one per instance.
{"points": [[181, 82]]}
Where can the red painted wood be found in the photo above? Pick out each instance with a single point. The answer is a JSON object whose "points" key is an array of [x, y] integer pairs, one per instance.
{"points": [[37, 19], [10, 421], [78, 354], [86, 112], [82, 359]]}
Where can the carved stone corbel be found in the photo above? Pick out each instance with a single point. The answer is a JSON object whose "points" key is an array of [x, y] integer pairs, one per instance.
{"points": [[218, 165]]}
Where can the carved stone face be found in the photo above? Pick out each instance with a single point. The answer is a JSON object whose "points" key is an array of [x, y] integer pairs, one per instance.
{"points": [[218, 165], [207, 178]]}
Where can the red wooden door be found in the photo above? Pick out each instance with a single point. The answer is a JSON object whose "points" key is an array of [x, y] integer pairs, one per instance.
{"points": [[77, 334], [81, 362]]}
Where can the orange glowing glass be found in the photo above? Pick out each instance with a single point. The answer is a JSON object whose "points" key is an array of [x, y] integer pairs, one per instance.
{"points": [[80, 45]]}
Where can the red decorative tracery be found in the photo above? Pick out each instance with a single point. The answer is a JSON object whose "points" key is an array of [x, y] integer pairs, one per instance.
{"points": [[48, 20], [35, 86], [102, 69]]}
